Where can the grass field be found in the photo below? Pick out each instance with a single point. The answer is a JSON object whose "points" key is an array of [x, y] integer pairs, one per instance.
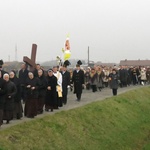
{"points": [[117, 123]]}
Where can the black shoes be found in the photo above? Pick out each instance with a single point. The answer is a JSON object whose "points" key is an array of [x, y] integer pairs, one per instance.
{"points": [[7, 122]]}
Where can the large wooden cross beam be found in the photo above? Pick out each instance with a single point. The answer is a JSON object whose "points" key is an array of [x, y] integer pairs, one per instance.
{"points": [[31, 62]]}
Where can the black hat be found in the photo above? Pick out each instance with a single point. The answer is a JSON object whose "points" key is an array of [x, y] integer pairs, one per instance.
{"points": [[66, 63], [79, 63], [1, 63], [13, 72]]}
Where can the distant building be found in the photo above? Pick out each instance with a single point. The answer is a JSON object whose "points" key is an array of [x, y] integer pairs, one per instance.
{"points": [[105, 64], [139, 62]]}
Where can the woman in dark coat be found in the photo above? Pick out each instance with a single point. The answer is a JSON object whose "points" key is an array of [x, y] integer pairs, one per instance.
{"points": [[17, 99], [51, 93], [87, 78], [11, 91], [42, 91], [100, 74], [2, 97], [113, 77], [93, 80], [134, 76], [32, 84]]}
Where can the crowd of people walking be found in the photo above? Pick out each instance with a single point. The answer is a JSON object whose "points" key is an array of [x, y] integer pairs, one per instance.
{"points": [[41, 90]]}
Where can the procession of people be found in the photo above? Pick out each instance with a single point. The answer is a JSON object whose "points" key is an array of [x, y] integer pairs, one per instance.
{"points": [[30, 93]]}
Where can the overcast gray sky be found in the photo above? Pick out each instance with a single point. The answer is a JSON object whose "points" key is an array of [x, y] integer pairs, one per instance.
{"points": [[113, 29]]}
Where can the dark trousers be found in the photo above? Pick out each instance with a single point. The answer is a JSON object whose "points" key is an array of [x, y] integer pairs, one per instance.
{"points": [[134, 79], [59, 101], [106, 84], [22, 90], [88, 86], [64, 99], [114, 91], [94, 88], [123, 84], [78, 95]]}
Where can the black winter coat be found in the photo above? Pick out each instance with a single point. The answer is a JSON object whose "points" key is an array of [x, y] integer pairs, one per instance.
{"points": [[23, 75], [2, 92], [123, 74], [11, 91], [78, 80], [114, 81], [42, 86], [65, 82], [51, 95], [33, 83], [16, 81]]}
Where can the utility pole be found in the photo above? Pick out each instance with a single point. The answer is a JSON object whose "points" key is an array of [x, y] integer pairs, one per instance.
{"points": [[9, 58], [88, 56]]}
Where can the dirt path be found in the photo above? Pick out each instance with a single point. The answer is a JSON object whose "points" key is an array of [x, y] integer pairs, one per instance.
{"points": [[87, 97]]}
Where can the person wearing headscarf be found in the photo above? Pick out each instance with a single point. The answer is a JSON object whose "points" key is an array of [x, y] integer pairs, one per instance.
{"points": [[32, 84], [51, 93], [42, 91], [17, 113], [2, 97], [11, 91]]}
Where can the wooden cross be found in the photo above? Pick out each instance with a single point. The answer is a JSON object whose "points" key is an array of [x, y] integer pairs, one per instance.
{"points": [[31, 62]]}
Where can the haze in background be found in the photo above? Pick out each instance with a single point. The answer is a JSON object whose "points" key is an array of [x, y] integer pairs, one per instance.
{"points": [[113, 29]]}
